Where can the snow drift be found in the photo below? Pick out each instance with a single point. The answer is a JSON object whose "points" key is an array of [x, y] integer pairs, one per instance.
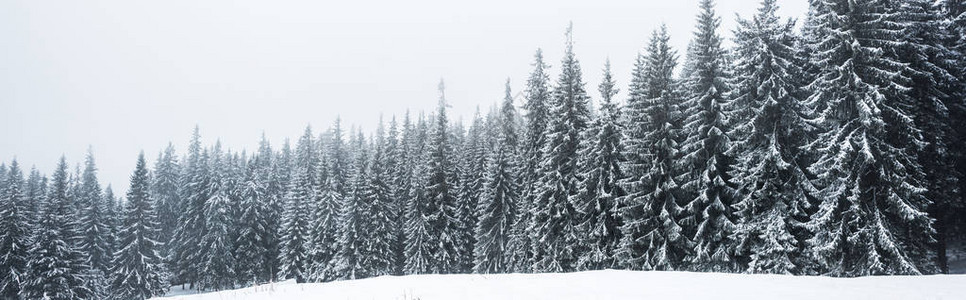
{"points": [[609, 284]]}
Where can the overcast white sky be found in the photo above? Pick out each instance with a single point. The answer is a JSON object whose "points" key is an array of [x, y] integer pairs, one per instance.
{"points": [[122, 76]]}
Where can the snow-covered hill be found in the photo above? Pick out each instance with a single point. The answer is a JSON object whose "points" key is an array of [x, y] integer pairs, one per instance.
{"points": [[608, 285]]}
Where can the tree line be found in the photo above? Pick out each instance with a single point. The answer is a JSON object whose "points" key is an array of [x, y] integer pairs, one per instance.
{"points": [[832, 150]]}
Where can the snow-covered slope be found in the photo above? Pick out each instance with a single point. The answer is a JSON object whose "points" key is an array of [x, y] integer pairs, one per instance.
{"points": [[608, 285]]}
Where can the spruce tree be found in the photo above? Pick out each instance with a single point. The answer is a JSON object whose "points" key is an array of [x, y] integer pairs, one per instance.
{"points": [[770, 167], [138, 270], [954, 19], [870, 218], [537, 113], [329, 197], [96, 237], [708, 213], [420, 247], [936, 93], [599, 166], [57, 267], [217, 263], [351, 259], [440, 195], [165, 187], [554, 216], [250, 250], [473, 161], [653, 237], [295, 224], [14, 235], [34, 193], [382, 211], [501, 194], [396, 181], [272, 172], [185, 257]]}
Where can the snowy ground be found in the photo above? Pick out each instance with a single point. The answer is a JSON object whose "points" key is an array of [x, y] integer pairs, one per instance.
{"points": [[608, 285]]}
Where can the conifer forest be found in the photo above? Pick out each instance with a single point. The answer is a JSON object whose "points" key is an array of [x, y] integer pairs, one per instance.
{"points": [[834, 145]]}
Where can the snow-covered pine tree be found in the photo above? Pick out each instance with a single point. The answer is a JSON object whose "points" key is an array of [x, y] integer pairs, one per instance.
{"points": [[165, 192], [57, 267], [3, 174], [440, 193], [96, 240], [351, 258], [554, 217], [769, 169], [708, 213], [652, 233], [295, 220], [537, 92], [271, 172], [937, 94], [871, 217], [599, 166], [329, 199], [954, 19], [501, 194], [34, 193], [250, 251], [14, 234], [217, 262], [395, 180], [473, 161], [137, 268], [381, 215], [420, 246], [185, 257]]}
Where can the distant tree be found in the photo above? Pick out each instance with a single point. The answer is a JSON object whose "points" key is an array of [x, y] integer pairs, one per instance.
{"points": [[501, 194], [57, 267], [599, 168], [554, 217], [138, 270], [14, 235]]}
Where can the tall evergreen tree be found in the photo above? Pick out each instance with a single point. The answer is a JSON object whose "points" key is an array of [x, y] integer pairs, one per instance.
{"points": [[537, 113], [770, 168], [708, 217], [871, 217], [57, 267], [14, 235], [217, 262], [473, 160], [95, 233], [599, 167], [382, 211], [554, 217], [272, 170], [185, 256], [329, 198], [250, 250], [954, 19], [653, 237], [352, 257], [36, 190], [501, 194], [137, 268], [396, 182], [165, 192], [295, 224], [937, 95], [419, 242], [440, 194]]}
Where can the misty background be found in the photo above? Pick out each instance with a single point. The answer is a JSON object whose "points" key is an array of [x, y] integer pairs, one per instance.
{"points": [[123, 76]]}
